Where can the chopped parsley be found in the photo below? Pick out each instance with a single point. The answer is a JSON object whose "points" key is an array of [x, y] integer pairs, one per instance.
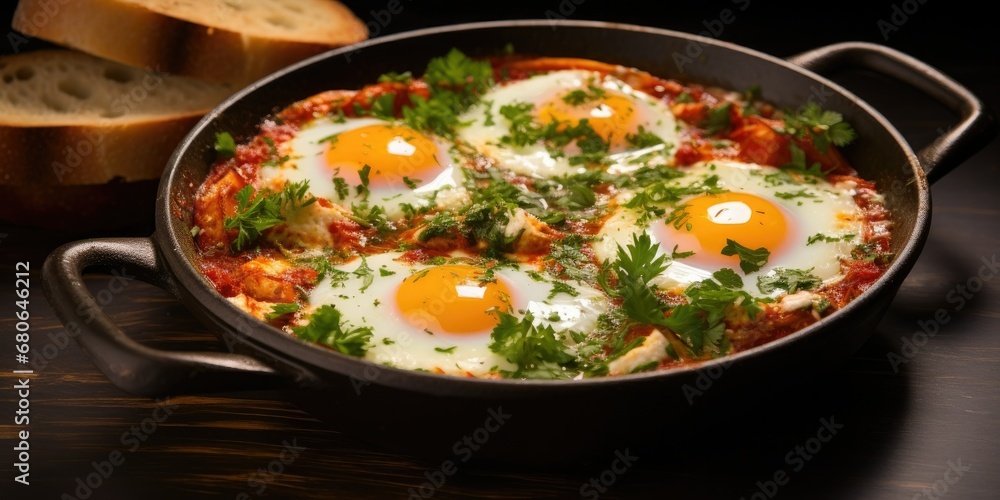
{"points": [[394, 77], [581, 96], [326, 326], [365, 273], [225, 146], [562, 287], [698, 324], [870, 252], [802, 193], [822, 127], [340, 185], [455, 82], [573, 262], [718, 119], [438, 226], [643, 139], [820, 237], [256, 212], [750, 259], [798, 164], [371, 216], [790, 280], [534, 349], [279, 310]]}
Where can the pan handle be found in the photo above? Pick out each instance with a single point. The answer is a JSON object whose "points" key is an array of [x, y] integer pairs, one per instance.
{"points": [[130, 365], [976, 128]]}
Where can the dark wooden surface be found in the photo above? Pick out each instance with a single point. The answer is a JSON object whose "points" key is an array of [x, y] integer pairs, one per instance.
{"points": [[904, 433]]}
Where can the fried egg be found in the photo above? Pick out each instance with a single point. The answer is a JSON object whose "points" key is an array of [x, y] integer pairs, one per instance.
{"points": [[614, 110], [404, 166], [440, 317], [804, 226]]}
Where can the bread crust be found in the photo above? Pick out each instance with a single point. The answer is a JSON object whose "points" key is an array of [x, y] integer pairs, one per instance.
{"points": [[79, 155], [131, 34]]}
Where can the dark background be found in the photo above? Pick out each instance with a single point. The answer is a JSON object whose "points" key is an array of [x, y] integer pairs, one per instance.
{"points": [[902, 430]]}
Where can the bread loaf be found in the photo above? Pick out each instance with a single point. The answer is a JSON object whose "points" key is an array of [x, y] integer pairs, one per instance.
{"points": [[67, 118], [229, 41]]}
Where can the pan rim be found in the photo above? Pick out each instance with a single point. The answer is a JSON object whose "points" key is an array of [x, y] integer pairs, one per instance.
{"points": [[301, 352]]}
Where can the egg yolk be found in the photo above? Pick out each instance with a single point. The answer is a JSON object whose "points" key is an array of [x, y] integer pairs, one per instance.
{"points": [[612, 116], [709, 220], [451, 299], [392, 151]]}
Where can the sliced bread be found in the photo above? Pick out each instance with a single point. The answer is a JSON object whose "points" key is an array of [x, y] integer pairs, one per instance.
{"points": [[67, 118], [229, 41]]}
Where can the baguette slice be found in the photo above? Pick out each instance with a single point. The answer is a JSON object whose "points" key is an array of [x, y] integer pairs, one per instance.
{"points": [[67, 118], [228, 41]]}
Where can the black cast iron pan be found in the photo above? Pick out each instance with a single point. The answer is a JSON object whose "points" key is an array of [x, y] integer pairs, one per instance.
{"points": [[523, 421]]}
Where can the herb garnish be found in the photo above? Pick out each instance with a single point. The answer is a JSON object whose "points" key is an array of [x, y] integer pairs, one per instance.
{"points": [[750, 259], [256, 212], [823, 127], [790, 280], [326, 327]]}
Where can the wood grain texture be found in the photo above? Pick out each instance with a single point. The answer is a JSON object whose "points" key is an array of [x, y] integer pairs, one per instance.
{"points": [[903, 430]]}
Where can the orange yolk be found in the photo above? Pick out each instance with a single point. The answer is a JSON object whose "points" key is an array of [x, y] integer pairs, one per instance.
{"points": [[711, 219], [611, 116], [392, 151], [451, 299]]}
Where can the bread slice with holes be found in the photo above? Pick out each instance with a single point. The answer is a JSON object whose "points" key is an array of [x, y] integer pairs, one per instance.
{"points": [[229, 41], [69, 119]]}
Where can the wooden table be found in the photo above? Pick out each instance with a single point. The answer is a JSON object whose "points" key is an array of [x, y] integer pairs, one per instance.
{"points": [[894, 421]]}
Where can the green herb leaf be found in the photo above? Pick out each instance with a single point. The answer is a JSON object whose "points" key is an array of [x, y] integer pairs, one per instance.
{"points": [[562, 287], [718, 119], [728, 278], [256, 213], [440, 225], [394, 77], [534, 349], [366, 274], [225, 146], [802, 193], [790, 280], [278, 310], [750, 259], [643, 139], [340, 185], [824, 127], [327, 327]]}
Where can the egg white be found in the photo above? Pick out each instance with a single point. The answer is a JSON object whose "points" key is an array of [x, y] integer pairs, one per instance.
{"points": [[535, 160], [396, 342], [829, 210]]}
